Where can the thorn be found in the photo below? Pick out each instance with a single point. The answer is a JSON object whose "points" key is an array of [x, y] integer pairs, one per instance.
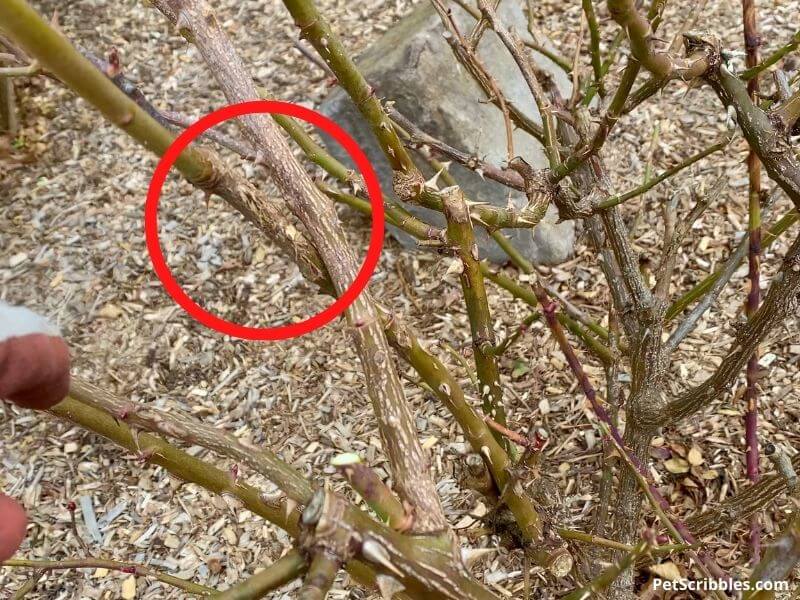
{"points": [[477, 218], [125, 412], [432, 182], [374, 552], [471, 203], [54, 20], [730, 117], [114, 64], [144, 456]]}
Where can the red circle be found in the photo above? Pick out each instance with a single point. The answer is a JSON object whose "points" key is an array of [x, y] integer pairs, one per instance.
{"points": [[172, 286]]}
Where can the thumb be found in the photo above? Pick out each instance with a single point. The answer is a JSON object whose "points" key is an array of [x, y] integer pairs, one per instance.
{"points": [[12, 527], [34, 359]]}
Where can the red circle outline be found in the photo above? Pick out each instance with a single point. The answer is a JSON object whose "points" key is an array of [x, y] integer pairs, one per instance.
{"points": [[172, 286]]}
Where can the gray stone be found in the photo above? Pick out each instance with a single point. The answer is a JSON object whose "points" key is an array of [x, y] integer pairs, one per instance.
{"points": [[413, 67]]}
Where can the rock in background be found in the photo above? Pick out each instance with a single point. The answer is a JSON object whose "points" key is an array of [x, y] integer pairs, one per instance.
{"points": [[413, 67]]}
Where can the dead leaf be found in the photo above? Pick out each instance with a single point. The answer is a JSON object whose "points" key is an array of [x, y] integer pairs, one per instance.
{"points": [[695, 457], [667, 570], [109, 311], [676, 465], [129, 588]]}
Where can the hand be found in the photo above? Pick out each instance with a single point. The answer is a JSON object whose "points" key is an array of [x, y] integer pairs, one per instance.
{"points": [[12, 527], [34, 359], [34, 373]]}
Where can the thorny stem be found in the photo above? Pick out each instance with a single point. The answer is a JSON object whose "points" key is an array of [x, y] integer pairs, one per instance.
{"points": [[557, 58], [111, 565], [394, 213], [374, 492], [177, 462], [740, 507], [752, 42], [409, 182], [408, 460], [780, 302], [480, 438], [423, 231], [527, 295], [515, 47], [178, 425], [417, 137], [595, 540], [101, 88], [594, 46], [651, 183], [467, 57], [449, 391], [462, 238], [466, 52], [287, 568], [765, 139], [607, 577], [773, 58], [479, 28], [312, 150], [638, 29], [315, 28], [639, 469], [707, 284], [779, 559], [580, 155], [421, 561]]}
